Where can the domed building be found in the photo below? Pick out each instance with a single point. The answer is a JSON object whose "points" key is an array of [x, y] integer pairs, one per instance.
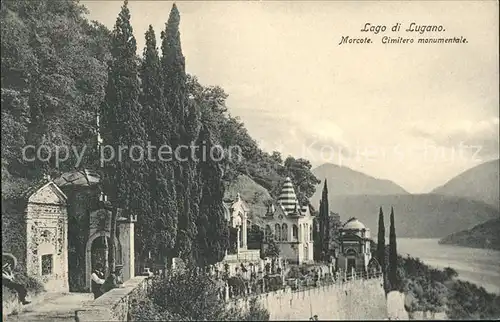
{"points": [[354, 246], [291, 226]]}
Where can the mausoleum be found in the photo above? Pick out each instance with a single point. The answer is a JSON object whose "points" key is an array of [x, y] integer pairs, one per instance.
{"points": [[355, 250], [37, 234]]}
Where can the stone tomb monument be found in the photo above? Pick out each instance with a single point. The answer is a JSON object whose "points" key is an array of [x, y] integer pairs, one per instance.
{"points": [[38, 235]]}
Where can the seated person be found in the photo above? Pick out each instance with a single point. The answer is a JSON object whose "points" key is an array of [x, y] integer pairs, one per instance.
{"points": [[98, 280], [114, 280], [9, 281]]}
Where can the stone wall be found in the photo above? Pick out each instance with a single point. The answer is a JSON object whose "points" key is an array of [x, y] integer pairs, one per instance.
{"points": [[354, 300], [396, 306], [114, 305], [396, 309]]}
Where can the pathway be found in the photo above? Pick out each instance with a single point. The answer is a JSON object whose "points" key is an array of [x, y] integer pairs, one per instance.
{"points": [[54, 307]]}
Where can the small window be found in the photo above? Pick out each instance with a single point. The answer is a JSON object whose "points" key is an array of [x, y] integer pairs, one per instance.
{"points": [[47, 264], [295, 232]]}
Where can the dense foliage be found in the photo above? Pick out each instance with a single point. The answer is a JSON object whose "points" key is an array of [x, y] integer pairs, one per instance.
{"points": [[434, 290], [192, 296], [160, 224], [53, 66]]}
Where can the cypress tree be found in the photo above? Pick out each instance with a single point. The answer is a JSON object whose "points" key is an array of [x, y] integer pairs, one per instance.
{"points": [[393, 255], [192, 203], [122, 126], [381, 240], [318, 233], [213, 231], [157, 231], [175, 91], [324, 222]]}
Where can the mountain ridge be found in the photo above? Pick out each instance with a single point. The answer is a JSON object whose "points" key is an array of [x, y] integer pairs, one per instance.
{"points": [[485, 235], [343, 180], [480, 183], [416, 215]]}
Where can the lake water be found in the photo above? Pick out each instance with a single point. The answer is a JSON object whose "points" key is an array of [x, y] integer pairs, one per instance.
{"points": [[478, 266]]}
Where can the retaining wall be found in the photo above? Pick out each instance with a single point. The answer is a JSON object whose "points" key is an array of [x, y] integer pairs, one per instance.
{"points": [[354, 300], [114, 305]]}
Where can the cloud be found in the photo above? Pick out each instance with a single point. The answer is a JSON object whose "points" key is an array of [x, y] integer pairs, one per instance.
{"points": [[299, 135], [481, 136]]}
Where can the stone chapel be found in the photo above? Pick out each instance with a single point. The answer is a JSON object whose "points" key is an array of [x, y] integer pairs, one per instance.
{"points": [[291, 226], [37, 234], [355, 253]]}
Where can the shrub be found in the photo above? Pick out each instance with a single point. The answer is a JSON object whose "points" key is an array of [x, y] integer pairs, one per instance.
{"points": [[237, 285], [33, 285], [273, 283], [146, 310], [256, 312], [192, 297], [434, 290]]}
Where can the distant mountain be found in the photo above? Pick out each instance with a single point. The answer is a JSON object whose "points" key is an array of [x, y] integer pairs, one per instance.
{"points": [[345, 181], [485, 235], [252, 193], [422, 216], [479, 183]]}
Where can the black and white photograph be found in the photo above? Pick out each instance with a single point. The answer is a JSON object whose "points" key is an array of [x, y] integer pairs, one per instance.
{"points": [[250, 160]]}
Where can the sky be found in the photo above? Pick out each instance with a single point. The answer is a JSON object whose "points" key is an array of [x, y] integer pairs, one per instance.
{"points": [[416, 114]]}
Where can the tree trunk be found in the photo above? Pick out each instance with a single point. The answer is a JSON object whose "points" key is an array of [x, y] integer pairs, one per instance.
{"points": [[112, 245], [106, 255]]}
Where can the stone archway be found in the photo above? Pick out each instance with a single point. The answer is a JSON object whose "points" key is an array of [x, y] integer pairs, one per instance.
{"points": [[88, 254]]}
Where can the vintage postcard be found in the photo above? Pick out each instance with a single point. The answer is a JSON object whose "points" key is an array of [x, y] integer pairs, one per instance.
{"points": [[250, 160]]}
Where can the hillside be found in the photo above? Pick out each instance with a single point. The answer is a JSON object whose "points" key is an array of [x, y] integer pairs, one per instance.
{"points": [[423, 216], [345, 181], [479, 183], [252, 193], [485, 235]]}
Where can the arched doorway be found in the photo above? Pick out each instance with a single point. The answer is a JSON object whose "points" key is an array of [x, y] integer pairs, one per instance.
{"points": [[97, 252]]}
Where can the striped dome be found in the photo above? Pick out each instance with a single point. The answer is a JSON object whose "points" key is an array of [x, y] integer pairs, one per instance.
{"points": [[287, 197]]}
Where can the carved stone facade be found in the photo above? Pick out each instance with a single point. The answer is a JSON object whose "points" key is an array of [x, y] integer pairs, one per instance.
{"points": [[47, 237]]}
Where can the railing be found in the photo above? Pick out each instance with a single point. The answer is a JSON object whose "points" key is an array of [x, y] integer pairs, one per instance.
{"points": [[244, 255], [300, 285], [249, 255]]}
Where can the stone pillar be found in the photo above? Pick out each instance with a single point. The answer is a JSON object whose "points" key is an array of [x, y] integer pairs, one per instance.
{"points": [[238, 240], [126, 226], [244, 232]]}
